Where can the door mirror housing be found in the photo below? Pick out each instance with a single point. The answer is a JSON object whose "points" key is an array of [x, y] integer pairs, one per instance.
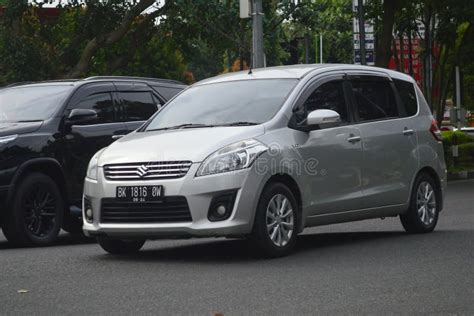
{"points": [[323, 118], [82, 117]]}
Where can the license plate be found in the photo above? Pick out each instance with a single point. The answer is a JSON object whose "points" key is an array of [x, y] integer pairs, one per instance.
{"points": [[139, 194]]}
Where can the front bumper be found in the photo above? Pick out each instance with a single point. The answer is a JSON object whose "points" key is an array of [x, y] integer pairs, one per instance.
{"points": [[198, 191]]}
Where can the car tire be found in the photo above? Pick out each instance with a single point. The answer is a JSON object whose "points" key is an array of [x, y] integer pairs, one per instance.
{"points": [[35, 213], [425, 202], [275, 227], [119, 246]]}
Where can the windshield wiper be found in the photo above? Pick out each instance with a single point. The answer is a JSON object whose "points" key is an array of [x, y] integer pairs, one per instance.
{"points": [[239, 124], [182, 126]]}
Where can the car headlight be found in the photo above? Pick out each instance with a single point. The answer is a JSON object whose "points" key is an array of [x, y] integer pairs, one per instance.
{"points": [[6, 139], [233, 157], [92, 168]]}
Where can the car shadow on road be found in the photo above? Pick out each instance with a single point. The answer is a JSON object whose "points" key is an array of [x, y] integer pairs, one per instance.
{"points": [[63, 240], [237, 250]]}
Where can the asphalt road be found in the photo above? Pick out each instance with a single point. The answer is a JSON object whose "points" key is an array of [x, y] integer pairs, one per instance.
{"points": [[369, 267]]}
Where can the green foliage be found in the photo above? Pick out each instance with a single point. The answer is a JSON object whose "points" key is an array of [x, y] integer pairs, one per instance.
{"points": [[34, 49], [456, 138], [331, 18], [465, 159]]}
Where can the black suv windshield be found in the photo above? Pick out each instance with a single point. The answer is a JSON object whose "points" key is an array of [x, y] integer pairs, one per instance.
{"points": [[31, 103], [235, 103]]}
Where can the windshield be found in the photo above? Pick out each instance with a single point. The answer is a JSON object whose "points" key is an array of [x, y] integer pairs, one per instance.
{"points": [[31, 103], [244, 102]]}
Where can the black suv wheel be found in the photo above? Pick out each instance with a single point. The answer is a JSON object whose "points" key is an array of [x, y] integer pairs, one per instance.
{"points": [[36, 212]]}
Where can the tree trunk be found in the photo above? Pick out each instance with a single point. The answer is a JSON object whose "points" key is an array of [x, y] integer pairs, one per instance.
{"points": [[384, 37], [402, 53], [395, 54], [410, 54]]}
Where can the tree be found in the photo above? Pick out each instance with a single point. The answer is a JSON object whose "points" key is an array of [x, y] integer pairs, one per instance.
{"points": [[89, 37]]}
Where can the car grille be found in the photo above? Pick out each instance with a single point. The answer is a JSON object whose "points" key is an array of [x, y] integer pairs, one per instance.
{"points": [[147, 171], [172, 209]]}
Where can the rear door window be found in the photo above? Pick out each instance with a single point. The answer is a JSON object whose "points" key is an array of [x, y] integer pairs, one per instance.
{"points": [[407, 93], [375, 99], [138, 106]]}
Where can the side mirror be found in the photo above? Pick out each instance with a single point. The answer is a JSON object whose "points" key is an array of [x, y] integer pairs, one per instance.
{"points": [[322, 118], [82, 117]]}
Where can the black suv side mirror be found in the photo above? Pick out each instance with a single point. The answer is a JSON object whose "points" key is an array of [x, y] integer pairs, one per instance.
{"points": [[82, 117]]}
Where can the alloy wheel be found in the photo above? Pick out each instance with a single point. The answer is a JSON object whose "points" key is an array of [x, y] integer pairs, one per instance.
{"points": [[426, 203], [280, 220], [39, 208]]}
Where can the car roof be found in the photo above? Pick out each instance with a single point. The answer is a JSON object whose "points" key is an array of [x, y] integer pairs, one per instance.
{"points": [[299, 72], [78, 82]]}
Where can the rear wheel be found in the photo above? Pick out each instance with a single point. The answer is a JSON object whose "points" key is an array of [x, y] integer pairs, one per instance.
{"points": [[274, 231], [120, 246], [36, 212], [422, 215]]}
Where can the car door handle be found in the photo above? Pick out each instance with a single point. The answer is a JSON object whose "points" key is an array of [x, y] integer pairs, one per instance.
{"points": [[408, 132], [117, 136], [354, 139]]}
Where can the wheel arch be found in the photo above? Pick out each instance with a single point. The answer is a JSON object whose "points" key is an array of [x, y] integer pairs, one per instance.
{"points": [[48, 166]]}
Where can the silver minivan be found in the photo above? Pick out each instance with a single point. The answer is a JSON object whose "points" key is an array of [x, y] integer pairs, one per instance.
{"points": [[264, 154]]}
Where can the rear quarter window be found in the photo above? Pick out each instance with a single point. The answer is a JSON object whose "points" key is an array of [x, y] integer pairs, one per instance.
{"points": [[407, 93], [168, 92]]}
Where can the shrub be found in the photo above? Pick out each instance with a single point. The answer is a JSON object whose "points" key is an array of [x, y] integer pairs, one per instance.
{"points": [[456, 138]]}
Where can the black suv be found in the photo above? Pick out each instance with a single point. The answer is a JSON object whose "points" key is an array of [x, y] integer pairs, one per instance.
{"points": [[48, 133]]}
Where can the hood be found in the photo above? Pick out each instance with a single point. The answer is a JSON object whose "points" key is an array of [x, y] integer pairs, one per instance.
{"points": [[12, 128], [193, 144]]}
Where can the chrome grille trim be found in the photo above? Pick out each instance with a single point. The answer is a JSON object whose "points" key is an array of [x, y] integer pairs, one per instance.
{"points": [[154, 170]]}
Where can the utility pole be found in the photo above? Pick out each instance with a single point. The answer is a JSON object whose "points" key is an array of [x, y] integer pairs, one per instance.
{"points": [[257, 35], [306, 48], [458, 99], [320, 48], [360, 13]]}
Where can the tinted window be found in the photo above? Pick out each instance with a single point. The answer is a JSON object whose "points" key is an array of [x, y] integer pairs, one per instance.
{"points": [[375, 99], [167, 92], [102, 104], [138, 106], [407, 93], [328, 96], [30, 103], [254, 101]]}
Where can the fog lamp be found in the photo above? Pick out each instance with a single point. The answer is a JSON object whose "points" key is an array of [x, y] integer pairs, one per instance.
{"points": [[221, 206]]}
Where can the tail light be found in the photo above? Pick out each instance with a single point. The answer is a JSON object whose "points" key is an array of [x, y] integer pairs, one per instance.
{"points": [[435, 131]]}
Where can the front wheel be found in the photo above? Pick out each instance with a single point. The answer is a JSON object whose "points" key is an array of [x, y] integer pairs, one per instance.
{"points": [[422, 215], [274, 231], [120, 246], [36, 212]]}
